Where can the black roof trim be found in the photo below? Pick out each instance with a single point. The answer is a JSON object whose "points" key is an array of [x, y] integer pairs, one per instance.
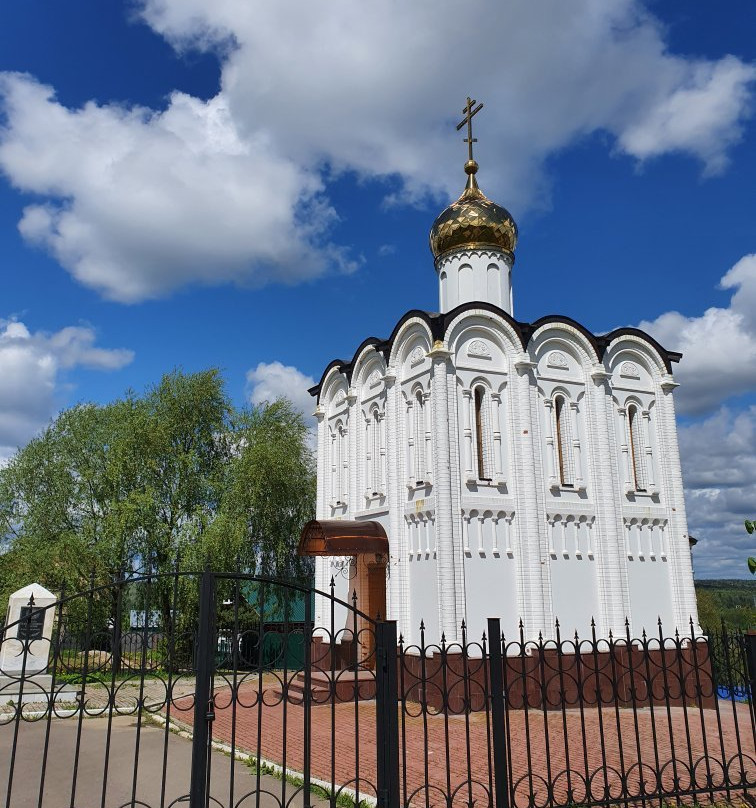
{"points": [[452, 315], [438, 325], [558, 318], [668, 357], [335, 363]]}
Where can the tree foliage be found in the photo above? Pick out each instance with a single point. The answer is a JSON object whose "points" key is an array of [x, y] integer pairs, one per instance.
{"points": [[174, 472], [729, 601], [750, 527]]}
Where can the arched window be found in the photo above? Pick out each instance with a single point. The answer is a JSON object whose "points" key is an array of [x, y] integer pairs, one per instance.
{"points": [[334, 435], [419, 447], [375, 451], [636, 448], [563, 440], [483, 433], [341, 455]]}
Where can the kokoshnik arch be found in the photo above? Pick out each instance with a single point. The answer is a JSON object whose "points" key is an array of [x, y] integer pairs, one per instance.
{"points": [[523, 470]]}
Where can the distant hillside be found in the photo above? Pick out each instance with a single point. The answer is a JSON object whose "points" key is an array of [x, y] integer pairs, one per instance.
{"points": [[730, 599]]}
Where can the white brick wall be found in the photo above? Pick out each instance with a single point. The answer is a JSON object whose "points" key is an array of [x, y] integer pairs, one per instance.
{"points": [[481, 344]]}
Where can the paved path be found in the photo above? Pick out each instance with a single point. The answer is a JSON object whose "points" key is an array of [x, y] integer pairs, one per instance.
{"points": [[120, 783], [444, 755]]}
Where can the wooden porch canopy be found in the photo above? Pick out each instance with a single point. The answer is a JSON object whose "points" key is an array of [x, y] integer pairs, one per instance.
{"points": [[342, 537]]}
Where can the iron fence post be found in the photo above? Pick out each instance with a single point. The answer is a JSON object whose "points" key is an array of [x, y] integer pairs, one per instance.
{"points": [[307, 700], [202, 692], [387, 720], [496, 672]]}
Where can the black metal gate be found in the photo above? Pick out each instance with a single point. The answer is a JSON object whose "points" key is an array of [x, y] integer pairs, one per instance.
{"points": [[198, 688]]}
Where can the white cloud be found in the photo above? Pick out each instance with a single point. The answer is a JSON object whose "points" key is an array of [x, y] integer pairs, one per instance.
{"points": [[719, 468], [718, 451], [144, 202], [719, 347], [695, 116], [272, 380], [370, 88], [32, 368], [140, 202]]}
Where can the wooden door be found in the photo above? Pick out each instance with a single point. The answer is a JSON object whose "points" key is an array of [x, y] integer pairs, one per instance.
{"points": [[377, 591]]}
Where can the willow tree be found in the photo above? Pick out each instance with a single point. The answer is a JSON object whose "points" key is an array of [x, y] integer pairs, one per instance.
{"points": [[138, 483]]}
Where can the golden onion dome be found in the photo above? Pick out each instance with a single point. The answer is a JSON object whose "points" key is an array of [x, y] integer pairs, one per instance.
{"points": [[473, 222]]}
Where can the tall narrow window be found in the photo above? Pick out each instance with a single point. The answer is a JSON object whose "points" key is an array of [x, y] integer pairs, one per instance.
{"points": [[335, 447], [419, 437], [369, 478], [636, 449], [563, 440], [376, 454], [482, 434], [342, 493]]}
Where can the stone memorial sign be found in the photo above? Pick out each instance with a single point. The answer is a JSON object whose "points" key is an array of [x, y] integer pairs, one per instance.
{"points": [[26, 639], [32, 624]]}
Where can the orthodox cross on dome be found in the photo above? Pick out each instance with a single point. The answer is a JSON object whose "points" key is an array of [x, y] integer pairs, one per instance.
{"points": [[469, 111]]}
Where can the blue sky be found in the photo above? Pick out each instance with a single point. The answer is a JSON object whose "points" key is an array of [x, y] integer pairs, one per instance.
{"points": [[188, 183]]}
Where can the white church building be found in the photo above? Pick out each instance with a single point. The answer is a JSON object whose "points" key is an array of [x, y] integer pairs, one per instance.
{"points": [[527, 471]]}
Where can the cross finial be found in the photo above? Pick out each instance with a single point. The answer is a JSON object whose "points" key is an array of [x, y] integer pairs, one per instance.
{"points": [[470, 110]]}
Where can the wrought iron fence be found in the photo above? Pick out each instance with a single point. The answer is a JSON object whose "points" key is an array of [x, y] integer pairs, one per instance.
{"points": [[91, 701], [571, 721]]}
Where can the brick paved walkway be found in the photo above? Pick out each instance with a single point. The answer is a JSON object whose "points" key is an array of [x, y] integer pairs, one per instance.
{"points": [[450, 755]]}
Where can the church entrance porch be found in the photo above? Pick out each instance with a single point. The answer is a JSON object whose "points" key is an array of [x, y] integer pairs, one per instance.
{"points": [[352, 646]]}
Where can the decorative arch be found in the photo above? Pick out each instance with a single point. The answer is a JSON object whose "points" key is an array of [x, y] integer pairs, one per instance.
{"points": [[558, 335], [403, 340], [497, 328], [639, 350], [368, 361]]}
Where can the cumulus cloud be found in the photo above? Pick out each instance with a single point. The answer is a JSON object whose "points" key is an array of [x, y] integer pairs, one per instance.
{"points": [[383, 77], [138, 202], [141, 202], [272, 380], [717, 439], [718, 347], [719, 468], [32, 367]]}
